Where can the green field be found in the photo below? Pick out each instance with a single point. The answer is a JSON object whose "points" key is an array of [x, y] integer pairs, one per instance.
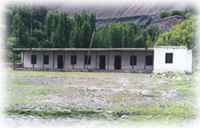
{"points": [[108, 96]]}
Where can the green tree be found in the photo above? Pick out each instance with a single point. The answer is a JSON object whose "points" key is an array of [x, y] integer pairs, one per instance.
{"points": [[51, 23], [175, 12], [181, 34], [163, 14]]}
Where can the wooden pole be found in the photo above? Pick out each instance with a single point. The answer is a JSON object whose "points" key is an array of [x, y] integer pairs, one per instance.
{"points": [[64, 61], [132, 60], [53, 58], [96, 59], [145, 60], [108, 59], [84, 59], [73, 60], [13, 60], [43, 61], [31, 58], [153, 59], [121, 60], [23, 59], [90, 48]]}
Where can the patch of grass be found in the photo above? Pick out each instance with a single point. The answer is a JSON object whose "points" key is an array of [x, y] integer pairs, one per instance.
{"points": [[171, 111], [148, 95], [54, 114]]}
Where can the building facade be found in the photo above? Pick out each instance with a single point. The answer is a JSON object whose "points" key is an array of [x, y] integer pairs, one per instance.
{"points": [[159, 59]]}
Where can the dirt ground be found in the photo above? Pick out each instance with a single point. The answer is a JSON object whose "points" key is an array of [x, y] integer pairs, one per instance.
{"points": [[104, 90], [131, 96]]}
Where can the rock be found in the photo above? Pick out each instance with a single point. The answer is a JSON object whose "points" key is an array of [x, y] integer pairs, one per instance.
{"points": [[159, 73], [162, 106], [124, 117], [136, 112], [159, 77], [179, 78], [149, 116], [188, 73], [163, 75], [186, 78], [122, 113]]}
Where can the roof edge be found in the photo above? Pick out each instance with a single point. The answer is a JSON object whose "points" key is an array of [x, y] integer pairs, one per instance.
{"points": [[172, 47], [83, 49]]}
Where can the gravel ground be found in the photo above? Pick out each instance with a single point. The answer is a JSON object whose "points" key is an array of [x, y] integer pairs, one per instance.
{"points": [[105, 90], [97, 91]]}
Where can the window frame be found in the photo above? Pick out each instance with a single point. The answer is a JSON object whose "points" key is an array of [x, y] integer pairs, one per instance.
{"points": [[149, 63], [73, 59], [86, 60], [46, 56], [133, 60], [33, 59], [168, 58]]}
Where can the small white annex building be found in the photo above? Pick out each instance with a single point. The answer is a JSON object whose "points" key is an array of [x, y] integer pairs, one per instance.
{"points": [[158, 59]]}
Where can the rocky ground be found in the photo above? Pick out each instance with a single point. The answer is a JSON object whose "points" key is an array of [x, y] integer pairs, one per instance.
{"points": [[71, 97]]}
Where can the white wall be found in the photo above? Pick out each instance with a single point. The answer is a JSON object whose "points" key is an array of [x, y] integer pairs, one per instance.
{"points": [[182, 59], [80, 56]]}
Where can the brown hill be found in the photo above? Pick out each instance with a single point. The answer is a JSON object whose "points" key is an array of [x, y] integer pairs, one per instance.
{"points": [[115, 9]]}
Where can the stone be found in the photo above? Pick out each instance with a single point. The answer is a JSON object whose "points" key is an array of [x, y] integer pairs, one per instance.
{"points": [[186, 78], [159, 77], [124, 117], [136, 112], [122, 113], [188, 73], [162, 106]]}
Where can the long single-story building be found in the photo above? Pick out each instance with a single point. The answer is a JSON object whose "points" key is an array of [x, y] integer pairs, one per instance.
{"points": [[158, 59]]}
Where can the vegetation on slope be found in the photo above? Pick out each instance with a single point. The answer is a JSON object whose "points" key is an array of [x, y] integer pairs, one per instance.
{"points": [[183, 34], [173, 12]]}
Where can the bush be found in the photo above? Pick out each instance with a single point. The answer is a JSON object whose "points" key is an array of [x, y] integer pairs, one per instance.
{"points": [[163, 14], [9, 56], [175, 12]]}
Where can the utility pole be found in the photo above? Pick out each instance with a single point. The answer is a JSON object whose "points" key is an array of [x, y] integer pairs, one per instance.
{"points": [[89, 50]]}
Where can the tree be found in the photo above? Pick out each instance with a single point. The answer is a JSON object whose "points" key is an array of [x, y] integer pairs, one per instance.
{"points": [[51, 23], [175, 12], [61, 36], [86, 33], [181, 35], [149, 42], [20, 31], [26, 14], [163, 14]]}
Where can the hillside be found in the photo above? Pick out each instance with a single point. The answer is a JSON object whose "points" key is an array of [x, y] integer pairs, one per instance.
{"points": [[110, 9], [121, 11]]}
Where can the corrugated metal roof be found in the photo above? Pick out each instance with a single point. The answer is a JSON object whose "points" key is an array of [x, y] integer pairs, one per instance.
{"points": [[83, 49]]}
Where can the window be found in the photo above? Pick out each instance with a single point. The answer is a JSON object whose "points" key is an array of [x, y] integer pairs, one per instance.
{"points": [[86, 60], [73, 59], [46, 59], [33, 59], [133, 60], [169, 58], [149, 60]]}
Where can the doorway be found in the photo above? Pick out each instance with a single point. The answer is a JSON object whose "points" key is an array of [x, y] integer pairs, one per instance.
{"points": [[102, 62], [60, 61], [117, 63]]}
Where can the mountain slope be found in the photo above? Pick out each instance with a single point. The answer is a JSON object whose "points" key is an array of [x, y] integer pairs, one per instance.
{"points": [[112, 9]]}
